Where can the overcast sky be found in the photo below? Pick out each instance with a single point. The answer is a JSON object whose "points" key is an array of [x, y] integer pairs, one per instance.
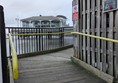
{"points": [[27, 8]]}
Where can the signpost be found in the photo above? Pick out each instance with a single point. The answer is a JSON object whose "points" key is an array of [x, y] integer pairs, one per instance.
{"points": [[110, 5], [75, 16]]}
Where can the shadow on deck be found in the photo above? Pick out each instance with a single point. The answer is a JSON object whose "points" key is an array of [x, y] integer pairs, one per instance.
{"points": [[54, 68]]}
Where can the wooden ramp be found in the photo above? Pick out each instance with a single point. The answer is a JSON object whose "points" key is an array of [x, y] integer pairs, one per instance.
{"points": [[54, 68]]}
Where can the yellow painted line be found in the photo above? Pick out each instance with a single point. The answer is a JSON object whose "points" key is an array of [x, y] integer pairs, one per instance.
{"points": [[97, 37], [36, 34], [14, 59]]}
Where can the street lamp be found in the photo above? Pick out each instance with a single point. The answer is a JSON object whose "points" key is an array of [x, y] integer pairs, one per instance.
{"points": [[17, 21]]}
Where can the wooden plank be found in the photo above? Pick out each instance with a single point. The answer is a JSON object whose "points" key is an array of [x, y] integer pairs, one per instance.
{"points": [[104, 42], [116, 46], [102, 75], [84, 31], [76, 23], [98, 34], [76, 46], [93, 31], [80, 29], [88, 31], [54, 68], [110, 46], [78, 37]]}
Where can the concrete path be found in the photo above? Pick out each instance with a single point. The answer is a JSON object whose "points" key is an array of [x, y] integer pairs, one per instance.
{"points": [[54, 68]]}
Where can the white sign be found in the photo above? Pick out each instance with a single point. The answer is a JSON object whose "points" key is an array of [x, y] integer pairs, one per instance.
{"points": [[110, 5], [75, 13]]}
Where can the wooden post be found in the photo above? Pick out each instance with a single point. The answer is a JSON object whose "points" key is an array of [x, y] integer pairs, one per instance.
{"points": [[88, 31], [84, 31], [80, 30], [75, 28], [104, 42], [116, 47], [93, 31], [5, 75], [110, 45], [98, 34]]}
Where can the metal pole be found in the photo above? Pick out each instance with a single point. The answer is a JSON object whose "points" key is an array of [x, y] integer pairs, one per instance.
{"points": [[3, 55]]}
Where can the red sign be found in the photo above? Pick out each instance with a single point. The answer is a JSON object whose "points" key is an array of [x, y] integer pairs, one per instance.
{"points": [[75, 15]]}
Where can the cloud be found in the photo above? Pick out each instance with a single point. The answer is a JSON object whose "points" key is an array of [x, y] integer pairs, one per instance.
{"points": [[27, 8]]}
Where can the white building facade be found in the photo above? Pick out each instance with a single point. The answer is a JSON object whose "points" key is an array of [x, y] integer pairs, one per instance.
{"points": [[44, 21]]}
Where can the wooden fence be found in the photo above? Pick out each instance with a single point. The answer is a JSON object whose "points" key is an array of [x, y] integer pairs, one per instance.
{"points": [[100, 54]]}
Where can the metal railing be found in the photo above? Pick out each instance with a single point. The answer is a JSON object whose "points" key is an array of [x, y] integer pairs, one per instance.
{"points": [[29, 40], [14, 38], [32, 40]]}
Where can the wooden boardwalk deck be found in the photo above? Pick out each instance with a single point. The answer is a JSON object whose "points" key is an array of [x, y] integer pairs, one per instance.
{"points": [[54, 68]]}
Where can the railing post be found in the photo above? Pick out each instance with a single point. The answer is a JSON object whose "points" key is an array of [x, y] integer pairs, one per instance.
{"points": [[3, 55], [63, 35]]}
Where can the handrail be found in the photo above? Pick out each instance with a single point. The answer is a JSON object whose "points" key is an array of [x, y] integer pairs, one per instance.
{"points": [[14, 58], [34, 34], [68, 33], [97, 37]]}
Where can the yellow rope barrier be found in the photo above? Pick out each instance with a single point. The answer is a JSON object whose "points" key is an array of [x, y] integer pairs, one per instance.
{"points": [[14, 59]]}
